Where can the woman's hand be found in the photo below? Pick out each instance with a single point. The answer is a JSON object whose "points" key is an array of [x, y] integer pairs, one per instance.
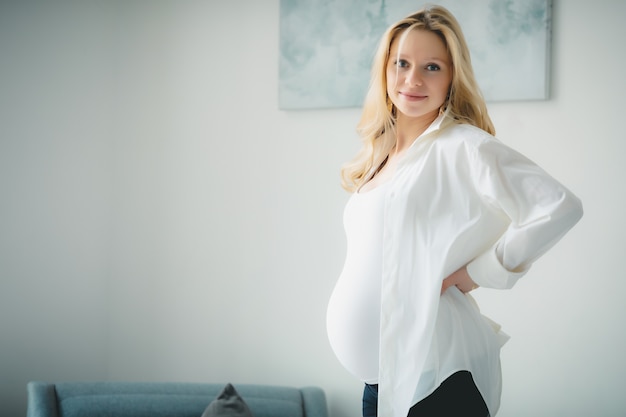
{"points": [[461, 280]]}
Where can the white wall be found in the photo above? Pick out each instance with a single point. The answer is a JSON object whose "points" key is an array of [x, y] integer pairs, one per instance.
{"points": [[54, 196], [161, 219]]}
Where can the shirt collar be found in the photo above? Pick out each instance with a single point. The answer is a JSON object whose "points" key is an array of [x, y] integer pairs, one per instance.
{"points": [[439, 123], [443, 120]]}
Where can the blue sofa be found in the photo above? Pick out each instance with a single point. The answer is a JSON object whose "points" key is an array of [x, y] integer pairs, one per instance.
{"points": [[166, 399]]}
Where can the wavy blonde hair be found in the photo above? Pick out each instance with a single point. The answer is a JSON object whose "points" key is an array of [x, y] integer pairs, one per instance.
{"points": [[376, 127]]}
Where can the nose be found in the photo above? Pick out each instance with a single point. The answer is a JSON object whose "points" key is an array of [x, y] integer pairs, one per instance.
{"points": [[414, 77]]}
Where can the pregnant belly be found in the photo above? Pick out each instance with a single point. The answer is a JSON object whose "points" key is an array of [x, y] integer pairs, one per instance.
{"points": [[353, 325]]}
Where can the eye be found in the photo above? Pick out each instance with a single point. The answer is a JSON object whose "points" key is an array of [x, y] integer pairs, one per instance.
{"points": [[401, 63], [432, 67]]}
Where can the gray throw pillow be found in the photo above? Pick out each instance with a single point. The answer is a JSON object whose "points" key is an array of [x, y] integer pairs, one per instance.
{"points": [[227, 404]]}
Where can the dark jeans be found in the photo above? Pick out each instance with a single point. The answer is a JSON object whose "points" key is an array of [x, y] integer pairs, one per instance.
{"points": [[456, 396]]}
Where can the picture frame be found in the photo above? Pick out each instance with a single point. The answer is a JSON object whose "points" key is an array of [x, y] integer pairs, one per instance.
{"points": [[327, 47]]}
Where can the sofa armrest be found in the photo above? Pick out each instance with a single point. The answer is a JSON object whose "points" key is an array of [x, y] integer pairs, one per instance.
{"points": [[314, 401], [42, 400]]}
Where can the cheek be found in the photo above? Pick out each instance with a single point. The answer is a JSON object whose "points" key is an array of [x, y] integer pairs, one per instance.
{"points": [[392, 73], [445, 86]]}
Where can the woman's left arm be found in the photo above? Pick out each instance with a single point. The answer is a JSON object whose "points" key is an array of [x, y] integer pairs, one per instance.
{"points": [[540, 209]]}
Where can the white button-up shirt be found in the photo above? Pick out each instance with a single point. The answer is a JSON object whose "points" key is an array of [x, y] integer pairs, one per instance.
{"points": [[458, 197]]}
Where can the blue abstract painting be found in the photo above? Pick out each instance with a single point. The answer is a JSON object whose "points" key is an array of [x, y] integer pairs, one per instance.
{"points": [[327, 47]]}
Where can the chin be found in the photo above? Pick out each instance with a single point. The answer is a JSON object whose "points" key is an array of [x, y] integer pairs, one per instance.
{"points": [[419, 113]]}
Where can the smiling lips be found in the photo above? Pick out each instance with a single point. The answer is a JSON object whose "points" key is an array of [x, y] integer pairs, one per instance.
{"points": [[412, 96]]}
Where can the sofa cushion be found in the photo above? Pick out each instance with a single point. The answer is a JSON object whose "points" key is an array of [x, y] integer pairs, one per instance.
{"points": [[169, 400], [132, 405]]}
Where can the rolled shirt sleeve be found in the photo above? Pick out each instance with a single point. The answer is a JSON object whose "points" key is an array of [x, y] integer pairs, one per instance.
{"points": [[540, 210]]}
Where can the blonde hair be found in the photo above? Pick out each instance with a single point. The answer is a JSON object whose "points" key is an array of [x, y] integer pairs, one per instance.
{"points": [[376, 127]]}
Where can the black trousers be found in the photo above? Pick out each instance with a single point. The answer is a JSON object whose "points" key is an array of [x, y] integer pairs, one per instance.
{"points": [[456, 396]]}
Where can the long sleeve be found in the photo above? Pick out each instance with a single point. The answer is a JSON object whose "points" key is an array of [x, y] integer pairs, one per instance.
{"points": [[540, 211]]}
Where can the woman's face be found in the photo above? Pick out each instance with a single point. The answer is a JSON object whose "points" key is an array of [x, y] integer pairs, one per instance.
{"points": [[418, 79]]}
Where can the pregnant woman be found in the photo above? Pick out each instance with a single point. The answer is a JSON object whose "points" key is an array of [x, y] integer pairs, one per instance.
{"points": [[439, 206]]}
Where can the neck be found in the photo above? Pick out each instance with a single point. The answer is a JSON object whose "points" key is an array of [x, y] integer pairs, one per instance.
{"points": [[410, 128]]}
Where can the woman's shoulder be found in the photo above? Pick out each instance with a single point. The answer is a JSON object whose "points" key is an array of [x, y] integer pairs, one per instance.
{"points": [[466, 133], [476, 144], [473, 142]]}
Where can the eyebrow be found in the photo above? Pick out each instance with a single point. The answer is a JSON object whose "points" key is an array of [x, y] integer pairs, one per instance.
{"points": [[432, 58]]}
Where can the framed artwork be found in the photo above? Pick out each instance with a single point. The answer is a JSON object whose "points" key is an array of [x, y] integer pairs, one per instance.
{"points": [[327, 47]]}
